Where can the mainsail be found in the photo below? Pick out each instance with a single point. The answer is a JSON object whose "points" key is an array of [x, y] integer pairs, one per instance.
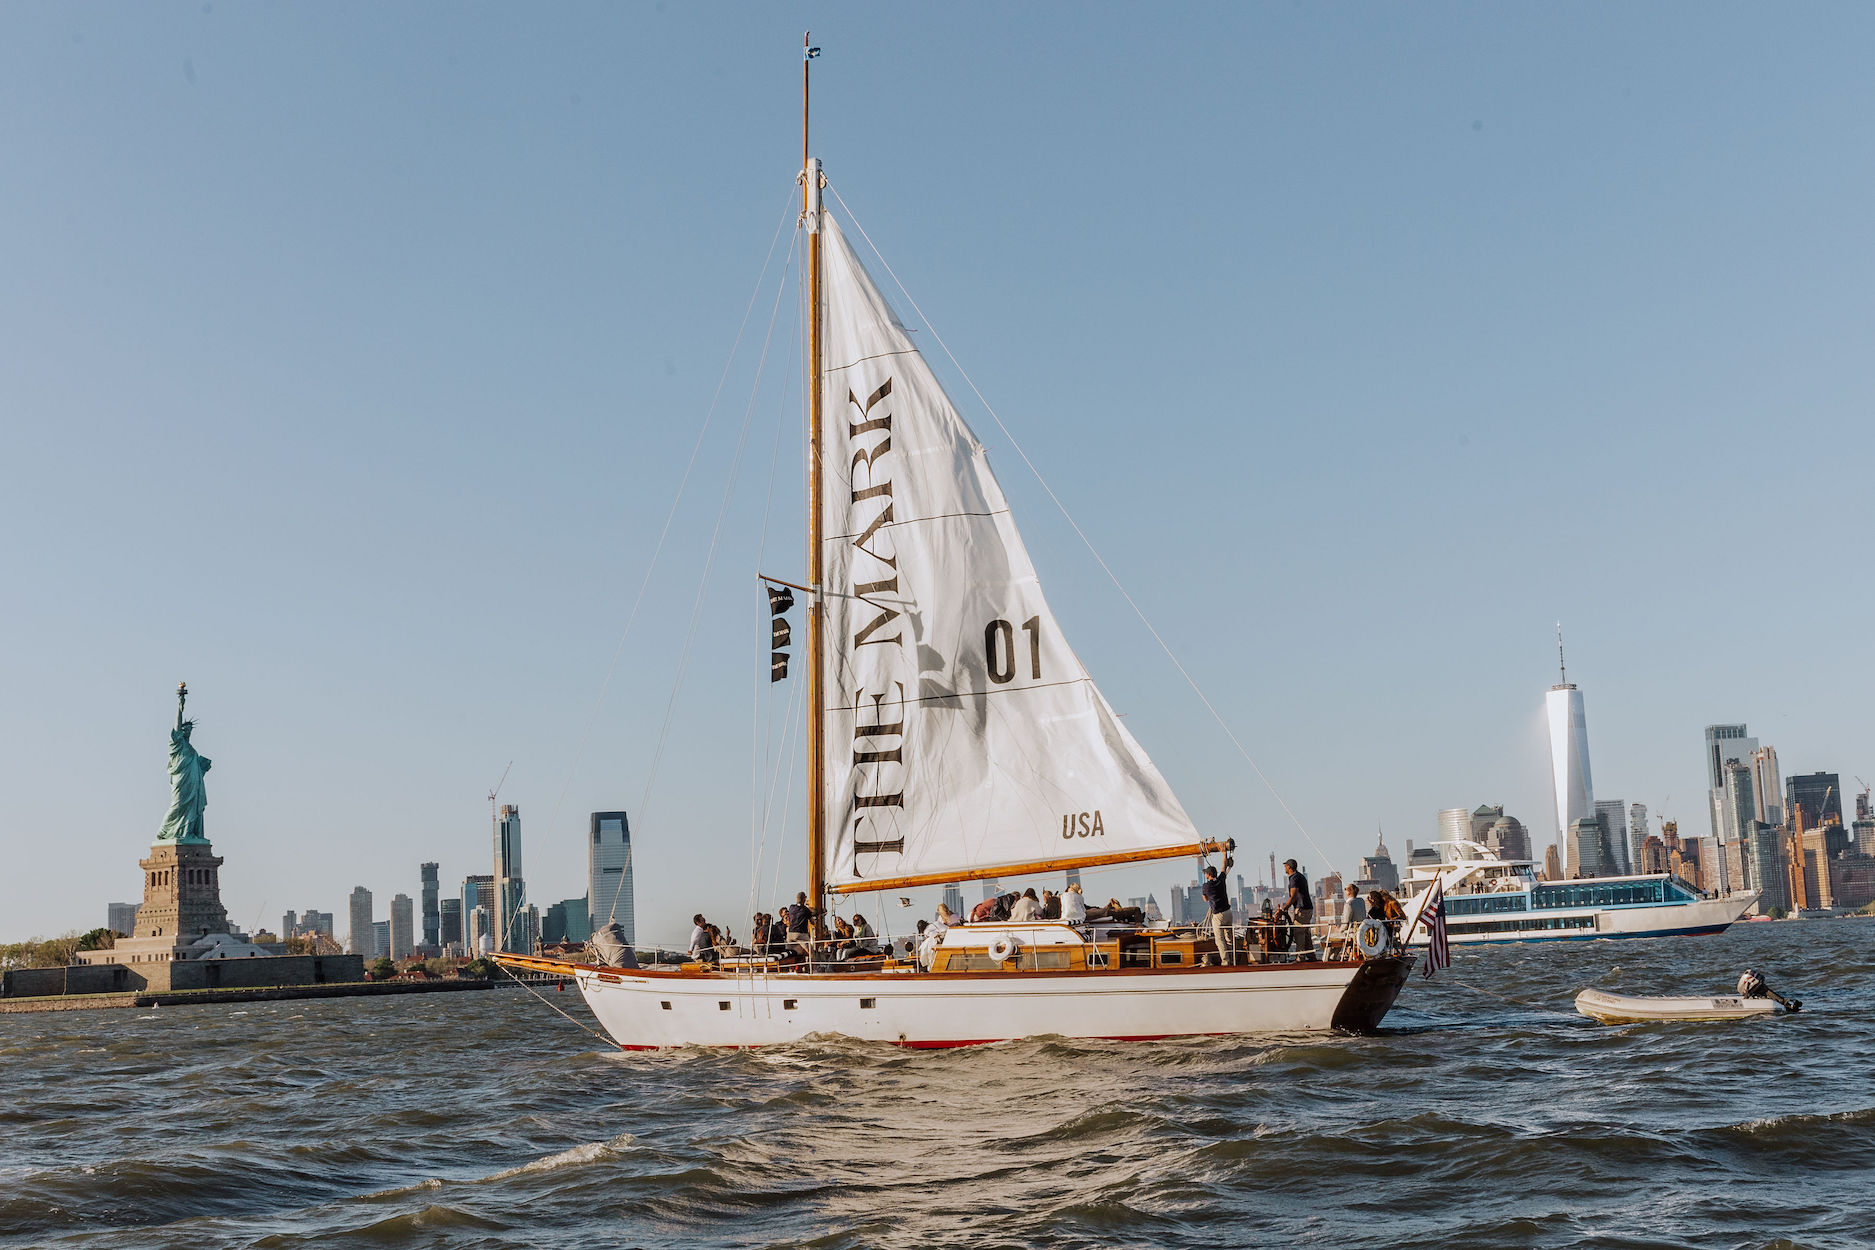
{"points": [[964, 739]]}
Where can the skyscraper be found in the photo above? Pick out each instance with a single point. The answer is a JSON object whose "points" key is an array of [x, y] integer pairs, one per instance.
{"points": [[380, 938], [1587, 843], [1738, 811], [578, 919], [1379, 868], [1637, 837], [123, 918], [432, 920], [1454, 826], [510, 886], [609, 874], [1761, 852], [1569, 752], [449, 923], [954, 899], [1821, 797], [361, 943], [477, 891], [1614, 816], [402, 939], [1725, 744], [1765, 782]]}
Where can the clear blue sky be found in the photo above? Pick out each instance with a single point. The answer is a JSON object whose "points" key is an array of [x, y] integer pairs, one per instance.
{"points": [[349, 355]]}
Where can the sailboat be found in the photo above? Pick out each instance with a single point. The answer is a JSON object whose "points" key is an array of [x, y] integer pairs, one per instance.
{"points": [[952, 736]]}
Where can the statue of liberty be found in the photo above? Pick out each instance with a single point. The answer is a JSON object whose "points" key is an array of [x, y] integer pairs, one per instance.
{"points": [[188, 796]]}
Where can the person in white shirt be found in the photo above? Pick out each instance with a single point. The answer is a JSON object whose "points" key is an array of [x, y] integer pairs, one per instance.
{"points": [[699, 936], [1027, 908], [1073, 905], [933, 937]]}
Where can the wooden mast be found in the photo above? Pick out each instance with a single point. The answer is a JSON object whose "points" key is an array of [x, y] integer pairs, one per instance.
{"points": [[816, 700]]}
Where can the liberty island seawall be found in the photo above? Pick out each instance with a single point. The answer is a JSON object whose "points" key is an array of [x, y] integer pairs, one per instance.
{"points": [[484, 1120]]}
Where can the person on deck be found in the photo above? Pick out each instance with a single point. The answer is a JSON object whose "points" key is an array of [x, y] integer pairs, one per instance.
{"points": [[985, 911], [800, 924], [1051, 905], [1385, 908], [699, 936], [945, 918], [1301, 907], [777, 935], [1073, 905], [1027, 907], [1353, 909], [863, 937], [1217, 897]]}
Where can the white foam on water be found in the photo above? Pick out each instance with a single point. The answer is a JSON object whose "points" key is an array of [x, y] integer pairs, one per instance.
{"points": [[591, 1152]]}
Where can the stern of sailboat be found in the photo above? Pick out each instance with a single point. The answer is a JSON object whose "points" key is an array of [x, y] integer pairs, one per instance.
{"points": [[1369, 996]]}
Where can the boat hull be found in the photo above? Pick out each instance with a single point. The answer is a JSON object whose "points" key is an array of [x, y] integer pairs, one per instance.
{"points": [[645, 1009], [1624, 1009], [1704, 916]]}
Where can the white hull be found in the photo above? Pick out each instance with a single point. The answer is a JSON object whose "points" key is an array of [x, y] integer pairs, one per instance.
{"points": [[913, 1009], [1624, 1009], [1706, 915]]}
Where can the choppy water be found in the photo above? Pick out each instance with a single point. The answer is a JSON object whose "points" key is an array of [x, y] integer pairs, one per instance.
{"points": [[484, 1120]]}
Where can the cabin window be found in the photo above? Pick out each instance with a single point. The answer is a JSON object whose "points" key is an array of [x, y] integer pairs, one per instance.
{"points": [[665, 1006], [789, 1004], [722, 1004], [867, 1004], [1171, 957]]}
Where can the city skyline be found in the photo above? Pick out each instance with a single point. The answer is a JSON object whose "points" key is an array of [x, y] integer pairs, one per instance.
{"points": [[1592, 307]]}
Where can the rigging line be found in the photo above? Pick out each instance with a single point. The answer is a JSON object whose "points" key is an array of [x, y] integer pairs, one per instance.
{"points": [[609, 1043], [735, 347], [1082, 535], [709, 560], [768, 800], [786, 798], [762, 735]]}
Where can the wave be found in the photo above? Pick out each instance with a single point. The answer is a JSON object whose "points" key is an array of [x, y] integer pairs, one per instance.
{"points": [[578, 1156]]}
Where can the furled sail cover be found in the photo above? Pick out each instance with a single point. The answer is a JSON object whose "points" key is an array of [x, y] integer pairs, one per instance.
{"points": [[963, 736]]}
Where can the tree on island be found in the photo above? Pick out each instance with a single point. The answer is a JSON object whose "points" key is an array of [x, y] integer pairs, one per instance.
{"points": [[99, 940], [383, 969]]}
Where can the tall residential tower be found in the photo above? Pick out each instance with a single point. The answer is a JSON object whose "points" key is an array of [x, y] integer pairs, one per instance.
{"points": [[510, 888]]}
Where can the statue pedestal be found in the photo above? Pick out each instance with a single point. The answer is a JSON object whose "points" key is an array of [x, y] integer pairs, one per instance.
{"points": [[181, 894]]}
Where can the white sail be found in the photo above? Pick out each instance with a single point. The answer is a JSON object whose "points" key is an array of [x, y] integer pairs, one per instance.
{"points": [[963, 735]]}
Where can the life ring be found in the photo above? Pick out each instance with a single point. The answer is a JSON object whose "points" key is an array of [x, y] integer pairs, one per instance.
{"points": [[1371, 939], [1003, 948]]}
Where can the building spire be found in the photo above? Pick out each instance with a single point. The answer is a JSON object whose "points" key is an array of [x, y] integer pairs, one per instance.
{"points": [[1560, 662]]}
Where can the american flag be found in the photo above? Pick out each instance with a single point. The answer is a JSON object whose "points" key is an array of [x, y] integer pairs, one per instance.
{"points": [[1438, 951]]}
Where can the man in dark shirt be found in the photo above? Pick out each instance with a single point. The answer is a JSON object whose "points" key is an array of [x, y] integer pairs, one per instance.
{"points": [[1301, 905], [801, 924], [1217, 896]]}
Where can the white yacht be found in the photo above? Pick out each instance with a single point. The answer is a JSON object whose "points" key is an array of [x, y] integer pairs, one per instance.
{"points": [[1492, 899]]}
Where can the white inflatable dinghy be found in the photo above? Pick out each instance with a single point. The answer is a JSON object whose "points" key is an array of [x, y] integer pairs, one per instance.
{"points": [[1623, 1009]]}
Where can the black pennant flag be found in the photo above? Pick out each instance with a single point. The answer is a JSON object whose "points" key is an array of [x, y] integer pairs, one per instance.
{"points": [[780, 599]]}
